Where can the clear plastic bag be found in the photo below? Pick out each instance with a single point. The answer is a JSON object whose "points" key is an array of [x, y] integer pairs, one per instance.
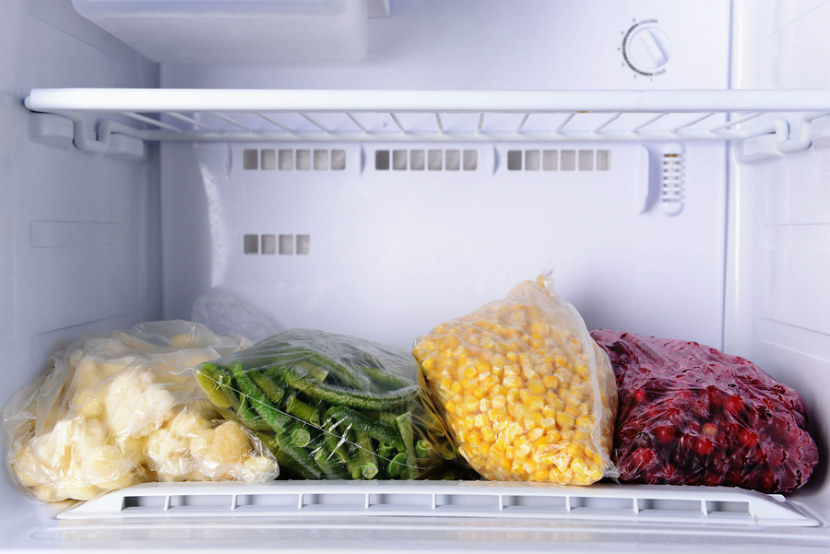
{"points": [[525, 392], [691, 415], [331, 406], [124, 409]]}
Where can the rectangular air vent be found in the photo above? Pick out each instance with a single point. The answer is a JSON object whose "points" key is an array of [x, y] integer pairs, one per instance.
{"points": [[301, 159], [417, 159], [533, 159], [284, 244]]}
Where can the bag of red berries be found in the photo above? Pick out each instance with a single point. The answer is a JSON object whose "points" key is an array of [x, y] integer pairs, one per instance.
{"points": [[691, 415]]}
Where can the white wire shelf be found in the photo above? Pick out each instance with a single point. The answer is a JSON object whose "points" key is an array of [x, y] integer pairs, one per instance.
{"points": [[448, 116], [447, 499]]}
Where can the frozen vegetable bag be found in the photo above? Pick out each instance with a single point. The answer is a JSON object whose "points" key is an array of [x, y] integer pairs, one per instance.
{"points": [[525, 391], [331, 406], [124, 409], [692, 415]]}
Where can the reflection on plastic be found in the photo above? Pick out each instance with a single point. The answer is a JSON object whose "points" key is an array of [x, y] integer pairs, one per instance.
{"points": [[225, 313]]}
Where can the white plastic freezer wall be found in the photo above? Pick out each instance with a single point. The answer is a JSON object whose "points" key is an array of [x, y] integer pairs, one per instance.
{"points": [[694, 214]]}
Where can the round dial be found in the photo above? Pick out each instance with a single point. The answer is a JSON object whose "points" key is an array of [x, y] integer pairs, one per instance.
{"points": [[646, 48]]}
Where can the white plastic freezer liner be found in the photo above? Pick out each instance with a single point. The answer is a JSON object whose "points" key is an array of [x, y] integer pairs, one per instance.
{"points": [[367, 225], [41, 172]]}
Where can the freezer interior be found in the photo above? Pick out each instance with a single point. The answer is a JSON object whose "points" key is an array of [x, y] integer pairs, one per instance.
{"points": [[374, 168]]}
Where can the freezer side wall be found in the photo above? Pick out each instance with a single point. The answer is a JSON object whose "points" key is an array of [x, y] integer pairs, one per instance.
{"points": [[79, 232], [778, 262]]}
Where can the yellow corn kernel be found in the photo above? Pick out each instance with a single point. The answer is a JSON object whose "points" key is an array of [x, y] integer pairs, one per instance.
{"points": [[574, 450], [548, 423], [582, 436], [489, 436], [555, 435], [550, 381], [564, 420], [585, 420], [536, 386], [512, 382]]}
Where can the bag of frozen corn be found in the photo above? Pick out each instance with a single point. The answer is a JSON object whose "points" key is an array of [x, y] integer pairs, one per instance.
{"points": [[523, 388]]}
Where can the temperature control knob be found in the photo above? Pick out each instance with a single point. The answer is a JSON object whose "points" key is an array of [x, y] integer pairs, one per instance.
{"points": [[647, 48]]}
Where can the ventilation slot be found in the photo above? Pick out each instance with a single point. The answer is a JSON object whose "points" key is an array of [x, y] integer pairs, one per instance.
{"points": [[303, 159], [558, 160], [450, 159], [144, 503], [271, 244], [672, 183], [199, 502]]}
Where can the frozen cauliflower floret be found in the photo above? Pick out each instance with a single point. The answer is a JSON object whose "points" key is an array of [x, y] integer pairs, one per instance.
{"points": [[230, 443], [74, 461], [125, 409], [136, 404], [91, 376], [187, 448]]}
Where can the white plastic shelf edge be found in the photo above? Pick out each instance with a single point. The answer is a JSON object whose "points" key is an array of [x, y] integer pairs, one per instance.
{"points": [[163, 100], [469, 499], [452, 115]]}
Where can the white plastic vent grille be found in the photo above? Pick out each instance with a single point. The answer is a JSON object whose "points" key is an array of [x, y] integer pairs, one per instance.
{"points": [[558, 160], [432, 159], [678, 505], [448, 116], [284, 245], [300, 159]]}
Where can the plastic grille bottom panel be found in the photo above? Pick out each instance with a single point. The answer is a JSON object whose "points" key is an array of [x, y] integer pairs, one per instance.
{"points": [[301, 499]]}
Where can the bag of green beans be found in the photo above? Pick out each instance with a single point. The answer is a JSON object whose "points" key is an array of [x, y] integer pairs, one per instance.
{"points": [[331, 406]]}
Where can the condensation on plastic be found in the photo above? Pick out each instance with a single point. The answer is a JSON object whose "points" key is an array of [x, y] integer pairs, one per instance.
{"points": [[332, 406], [124, 409], [525, 392], [691, 415]]}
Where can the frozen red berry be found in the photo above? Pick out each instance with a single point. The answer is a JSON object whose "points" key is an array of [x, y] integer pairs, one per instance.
{"points": [[643, 458], [748, 438], [704, 446], [665, 434], [733, 404]]}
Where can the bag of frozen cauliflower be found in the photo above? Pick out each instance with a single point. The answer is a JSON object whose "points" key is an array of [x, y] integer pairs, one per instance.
{"points": [[124, 409], [523, 388]]}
